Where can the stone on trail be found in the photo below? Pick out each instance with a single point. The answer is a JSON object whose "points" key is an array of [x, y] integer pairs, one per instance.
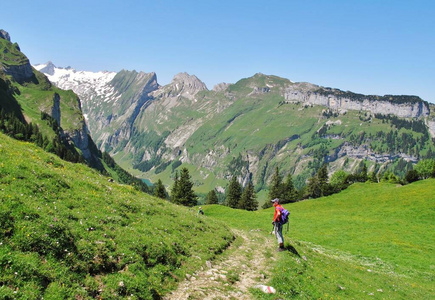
{"points": [[265, 288]]}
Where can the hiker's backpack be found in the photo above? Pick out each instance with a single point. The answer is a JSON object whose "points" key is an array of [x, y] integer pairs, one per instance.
{"points": [[284, 215]]}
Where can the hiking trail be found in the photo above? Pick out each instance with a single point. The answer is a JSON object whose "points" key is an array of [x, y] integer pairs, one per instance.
{"points": [[246, 263]]}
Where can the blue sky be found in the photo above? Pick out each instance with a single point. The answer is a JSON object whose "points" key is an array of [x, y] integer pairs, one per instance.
{"points": [[366, 46]]}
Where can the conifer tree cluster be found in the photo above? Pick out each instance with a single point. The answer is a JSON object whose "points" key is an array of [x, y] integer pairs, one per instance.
{"points": [[320, 185], [20, 130], [285, 191], [212, 198], [182, 189], [159, 190], [236, 197]]}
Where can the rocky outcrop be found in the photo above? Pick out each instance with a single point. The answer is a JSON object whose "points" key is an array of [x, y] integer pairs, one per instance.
{"points": [[401, 106], [431, 127], [221, 87], [55, 109], [364, 152], [17, 64], [20, 73], [48, 69], [259, 90], [185, 85], [81, 141], [4, 35]]}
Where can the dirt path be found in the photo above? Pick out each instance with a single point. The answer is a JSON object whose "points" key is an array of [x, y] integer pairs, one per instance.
{"points": [[246, 264]]}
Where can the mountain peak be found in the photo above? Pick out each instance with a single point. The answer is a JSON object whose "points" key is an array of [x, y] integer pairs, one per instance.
{"points": [[221, 87], [48, 68], [188, 83], [5, 35]]}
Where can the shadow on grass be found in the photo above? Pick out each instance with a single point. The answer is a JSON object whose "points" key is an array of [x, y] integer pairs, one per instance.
{"points": [[291, 249]]}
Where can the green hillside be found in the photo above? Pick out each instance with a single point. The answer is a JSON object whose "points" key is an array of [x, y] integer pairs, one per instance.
{"points": [[371, 240], [68, 232], [32, 109], [249, 129], [13, 56]]}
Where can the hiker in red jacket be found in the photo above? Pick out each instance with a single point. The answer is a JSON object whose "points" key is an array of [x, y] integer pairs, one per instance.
{"points": [[277, 225]]}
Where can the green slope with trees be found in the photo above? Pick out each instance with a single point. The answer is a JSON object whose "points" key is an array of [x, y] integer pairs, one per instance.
{"points": [[67, 232], [34, 110]]}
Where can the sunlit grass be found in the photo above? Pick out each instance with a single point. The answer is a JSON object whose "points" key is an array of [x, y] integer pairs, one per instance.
{"points": [[371, 240], [67, 232]]}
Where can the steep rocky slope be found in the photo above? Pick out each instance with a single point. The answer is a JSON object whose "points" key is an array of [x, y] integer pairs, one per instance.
{"points": [[34, 94], [27, 98]]}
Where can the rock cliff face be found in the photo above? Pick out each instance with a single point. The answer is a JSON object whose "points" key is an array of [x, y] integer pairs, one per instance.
{"points": [[431, 125], [20, 73], [364, 152], [80, 138], [123, 110], [400, 106], [13, 62], [55, 110]]}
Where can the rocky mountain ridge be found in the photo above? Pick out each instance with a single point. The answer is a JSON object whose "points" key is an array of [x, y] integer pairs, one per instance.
{"points": [[242, 129], [400, 106], [27, 84]]}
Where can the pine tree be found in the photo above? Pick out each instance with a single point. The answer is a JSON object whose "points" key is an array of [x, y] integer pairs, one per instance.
{"points": [[322, 179], [184, 193], [275, 189], [314, 189], [212, 198], [363, 175], [289, 191], [234, 192], [159, 190], [248, 199]]}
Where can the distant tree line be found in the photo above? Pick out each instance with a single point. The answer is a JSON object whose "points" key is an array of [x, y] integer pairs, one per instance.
{"points": [[399, 123], [319, 185], [239, 197], [394, 99]]}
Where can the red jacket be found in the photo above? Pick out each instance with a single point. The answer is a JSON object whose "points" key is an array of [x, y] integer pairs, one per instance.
{"points": [[277, 215]]}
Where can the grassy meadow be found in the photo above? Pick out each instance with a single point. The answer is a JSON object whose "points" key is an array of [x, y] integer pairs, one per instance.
{"points": [[68, 232], [369, 241]]}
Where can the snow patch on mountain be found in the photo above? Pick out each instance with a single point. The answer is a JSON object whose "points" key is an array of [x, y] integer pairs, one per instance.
{"points": [[89, 86]]}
